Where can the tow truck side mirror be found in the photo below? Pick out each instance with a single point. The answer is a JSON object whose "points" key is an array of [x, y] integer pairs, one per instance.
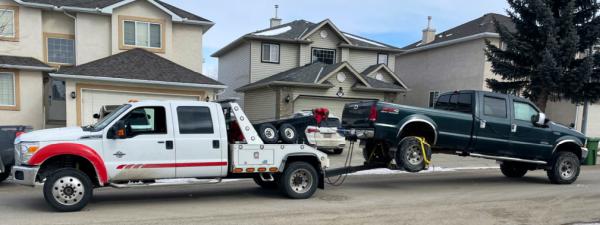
{"points": [[117, 131]]}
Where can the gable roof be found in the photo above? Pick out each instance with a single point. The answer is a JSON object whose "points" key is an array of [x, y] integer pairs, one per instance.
{"points": [[24, 63], [316, 74], [481, 25], [138, 66], [298, 31], [378, 67], [107, 6]]}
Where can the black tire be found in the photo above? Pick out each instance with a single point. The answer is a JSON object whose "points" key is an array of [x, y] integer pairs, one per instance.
{"points": [[338, 151], [513, 170], [376, 153], [565, 168], [288, 134], [410, 155], [300, 172], [5, 175], [65, 185], [268, 133], [266, 184]]}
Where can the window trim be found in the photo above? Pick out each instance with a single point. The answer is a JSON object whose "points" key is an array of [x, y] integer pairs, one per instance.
{"points": [[262, 45], [386, 55], [15, 9], [17, 91], [58, 36], [121, 33], [434, 100], [316, 48]]}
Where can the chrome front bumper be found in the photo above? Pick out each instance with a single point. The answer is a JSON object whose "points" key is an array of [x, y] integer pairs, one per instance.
{"points": [[584, 153], [24, 175]]}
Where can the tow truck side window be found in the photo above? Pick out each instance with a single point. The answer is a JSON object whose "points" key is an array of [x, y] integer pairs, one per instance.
{"points": [[146, 120], [194, 120]]}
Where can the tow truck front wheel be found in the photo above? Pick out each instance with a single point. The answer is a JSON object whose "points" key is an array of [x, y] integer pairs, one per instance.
{"points": [[299, 180], [68, 190]]}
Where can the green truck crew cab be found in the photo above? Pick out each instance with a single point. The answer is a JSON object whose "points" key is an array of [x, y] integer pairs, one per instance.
{"points": [[507, 128]]}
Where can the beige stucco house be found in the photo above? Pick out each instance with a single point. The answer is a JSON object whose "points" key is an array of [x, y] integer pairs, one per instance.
{"points": [[303, 65], [62, 60], [455, 60]]}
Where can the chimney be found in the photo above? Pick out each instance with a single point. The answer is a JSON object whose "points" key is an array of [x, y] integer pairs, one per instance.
{"points": [[275, 21], [428, 33]]}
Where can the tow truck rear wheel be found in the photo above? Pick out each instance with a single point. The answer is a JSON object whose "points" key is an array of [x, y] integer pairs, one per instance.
{"points": [[512, 170], [565, 168], [267, 184], [299, 180], [68, 190]]}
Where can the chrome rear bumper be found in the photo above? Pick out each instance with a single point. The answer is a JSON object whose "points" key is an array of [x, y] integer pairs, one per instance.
{"points": [[24, 175]]}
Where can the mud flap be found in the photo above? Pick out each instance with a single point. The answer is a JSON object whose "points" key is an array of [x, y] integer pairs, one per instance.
{"points": [[321, 181]]}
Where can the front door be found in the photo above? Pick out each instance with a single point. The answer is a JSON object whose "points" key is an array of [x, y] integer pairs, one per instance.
{"points": [[148, 150], [528, 140], [492, 128], [200, 146]]}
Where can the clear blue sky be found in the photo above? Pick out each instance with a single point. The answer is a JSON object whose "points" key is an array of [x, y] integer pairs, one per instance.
{"points": [[395, 22]]}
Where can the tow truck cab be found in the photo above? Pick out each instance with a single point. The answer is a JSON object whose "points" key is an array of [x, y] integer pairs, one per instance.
{"points": [[141, 142]]}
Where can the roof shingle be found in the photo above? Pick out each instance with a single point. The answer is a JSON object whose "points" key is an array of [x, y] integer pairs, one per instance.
{"points": [[92, 4], [139, 64], [12, 61], [484, 24]]}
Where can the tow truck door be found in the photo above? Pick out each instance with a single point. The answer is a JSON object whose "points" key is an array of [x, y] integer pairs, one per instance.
{"points": [[147, 152], [200, 141]]}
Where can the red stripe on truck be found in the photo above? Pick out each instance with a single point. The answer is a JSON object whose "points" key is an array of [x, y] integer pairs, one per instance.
{"points": [[172, 165]]}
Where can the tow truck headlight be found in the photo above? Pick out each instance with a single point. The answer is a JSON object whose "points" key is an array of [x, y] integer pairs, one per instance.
{"points": [[26, 150]]}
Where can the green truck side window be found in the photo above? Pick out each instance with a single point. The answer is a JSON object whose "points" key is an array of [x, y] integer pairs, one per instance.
{"points": [[524, 111], [495, 107]]}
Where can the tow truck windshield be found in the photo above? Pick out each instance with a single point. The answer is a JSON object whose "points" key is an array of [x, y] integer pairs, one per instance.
{"points": [[102, 123]]}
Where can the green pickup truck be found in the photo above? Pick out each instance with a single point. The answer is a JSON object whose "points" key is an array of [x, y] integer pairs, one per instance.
{"points": [[489, 125]]}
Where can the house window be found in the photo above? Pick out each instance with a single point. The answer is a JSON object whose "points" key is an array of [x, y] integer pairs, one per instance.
{"points": [[433, 96], [382, 58], [9, 23], [7, 89], [270, 53], [323, 55], [61, 50], [142, 34]]}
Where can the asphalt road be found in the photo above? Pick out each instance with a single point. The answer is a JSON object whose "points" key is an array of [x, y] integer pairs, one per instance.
{"points": [[481, 196]]}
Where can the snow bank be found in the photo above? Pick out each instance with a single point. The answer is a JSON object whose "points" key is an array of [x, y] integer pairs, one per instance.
{"points": [[273, 32], [364, 40]]}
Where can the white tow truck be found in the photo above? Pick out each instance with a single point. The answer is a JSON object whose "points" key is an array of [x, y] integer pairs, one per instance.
{"points": [[141, 142]]}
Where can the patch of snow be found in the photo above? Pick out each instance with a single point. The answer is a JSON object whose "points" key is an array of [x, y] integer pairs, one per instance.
{"points": [[274, 32], [384, 171], [363, 40]]}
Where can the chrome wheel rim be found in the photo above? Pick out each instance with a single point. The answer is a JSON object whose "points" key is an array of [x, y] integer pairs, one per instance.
{"points": [[269, 133], [413, 155], [567, 170], [68, 190], [289, 133], [301, 181]]}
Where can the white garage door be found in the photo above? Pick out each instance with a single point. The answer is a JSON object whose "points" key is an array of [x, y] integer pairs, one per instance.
{"points": [[92, 100], [335, 105]]}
